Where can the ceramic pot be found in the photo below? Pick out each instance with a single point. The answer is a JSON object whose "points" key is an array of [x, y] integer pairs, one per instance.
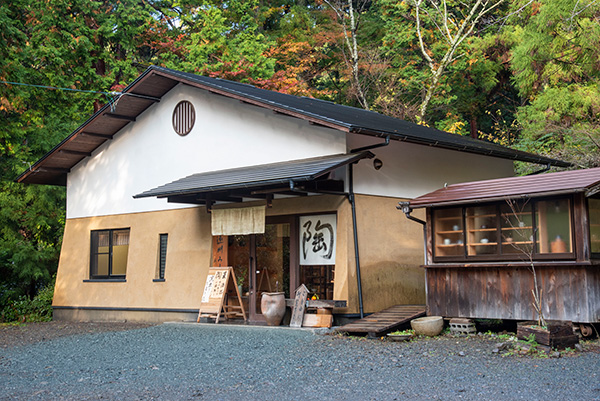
{"points": [[272, 306], [428, 326]]}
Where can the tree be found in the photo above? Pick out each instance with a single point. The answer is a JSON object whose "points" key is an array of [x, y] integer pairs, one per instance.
{"points": [[454, 22], [555, 62], [75, 45], [223, 39]]}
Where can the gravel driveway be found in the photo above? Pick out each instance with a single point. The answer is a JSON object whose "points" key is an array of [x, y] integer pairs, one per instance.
{"points": [[220, 362]]}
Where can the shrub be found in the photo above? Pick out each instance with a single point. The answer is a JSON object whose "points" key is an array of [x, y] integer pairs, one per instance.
{"points": [[24, 309]]}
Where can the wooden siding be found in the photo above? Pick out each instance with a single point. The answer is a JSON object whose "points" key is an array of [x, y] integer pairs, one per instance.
{"points": [[569, 292]]}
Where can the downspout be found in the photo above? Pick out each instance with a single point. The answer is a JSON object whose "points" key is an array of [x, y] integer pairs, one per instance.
{"points": [[352, 199], [406, 209], [541, 171]]}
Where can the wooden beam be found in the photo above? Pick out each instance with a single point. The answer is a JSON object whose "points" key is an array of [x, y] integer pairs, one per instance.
{"points": [[119, 117], [75, 152], [185, 199], [52, 170], [279, 190], [144, 97], [96, 135]]}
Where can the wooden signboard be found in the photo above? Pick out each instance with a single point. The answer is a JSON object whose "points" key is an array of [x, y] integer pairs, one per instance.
{"points": [[299, 306], [221, 296], [219, 251]]}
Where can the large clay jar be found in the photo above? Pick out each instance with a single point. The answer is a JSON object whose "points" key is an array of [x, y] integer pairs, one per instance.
{"points": [[272, 306]]}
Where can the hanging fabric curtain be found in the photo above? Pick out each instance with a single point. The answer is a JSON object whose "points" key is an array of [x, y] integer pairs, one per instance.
{"points": [[238, 221]]}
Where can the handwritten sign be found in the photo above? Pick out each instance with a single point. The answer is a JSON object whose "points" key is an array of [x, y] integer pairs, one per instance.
{"points": [[219, 282], [318, 239], [299, 306], [219, 251], [208, 288], [221, 296]]}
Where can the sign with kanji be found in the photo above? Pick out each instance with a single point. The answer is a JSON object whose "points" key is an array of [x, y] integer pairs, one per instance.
{"points": [[221, 296], [318, 239], [299, 306], [219, 251]]}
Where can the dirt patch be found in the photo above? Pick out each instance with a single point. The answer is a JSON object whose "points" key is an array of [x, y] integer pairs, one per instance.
{"points": [[31, 333]]}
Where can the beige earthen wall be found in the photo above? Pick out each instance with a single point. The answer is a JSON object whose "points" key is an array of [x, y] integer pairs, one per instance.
{"points": [[390, 251]]}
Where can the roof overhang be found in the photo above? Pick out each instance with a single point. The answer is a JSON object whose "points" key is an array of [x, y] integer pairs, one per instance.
{"points": [[297, 178], [533, 186], [155, 82]]}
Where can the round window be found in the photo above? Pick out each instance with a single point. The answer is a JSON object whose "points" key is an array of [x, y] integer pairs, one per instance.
{"points": [[184, 117]]}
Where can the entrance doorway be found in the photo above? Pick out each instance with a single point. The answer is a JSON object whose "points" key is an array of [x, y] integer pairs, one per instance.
{"points": [[265, 262]]}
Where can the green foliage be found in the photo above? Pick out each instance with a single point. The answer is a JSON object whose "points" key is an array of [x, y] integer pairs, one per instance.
{"points": [[25, 309], [224, 40], [556, 69]]}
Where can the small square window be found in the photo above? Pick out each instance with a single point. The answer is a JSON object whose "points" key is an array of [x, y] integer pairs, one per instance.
{"points": [[109, 251]]}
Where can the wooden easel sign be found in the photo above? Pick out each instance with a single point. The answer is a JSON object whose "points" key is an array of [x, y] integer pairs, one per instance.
{"points": [[221, 296]]}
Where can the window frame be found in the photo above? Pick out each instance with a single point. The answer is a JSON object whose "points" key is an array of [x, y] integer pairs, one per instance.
{"points": [[498, 255], [94, 253], [593, 255], [161, 265]]}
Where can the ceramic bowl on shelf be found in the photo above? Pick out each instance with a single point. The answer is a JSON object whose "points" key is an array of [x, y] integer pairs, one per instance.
{"points": [[484, 240]]}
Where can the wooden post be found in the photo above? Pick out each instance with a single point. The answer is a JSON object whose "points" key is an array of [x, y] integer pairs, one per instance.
{"points": [[299, 306]]}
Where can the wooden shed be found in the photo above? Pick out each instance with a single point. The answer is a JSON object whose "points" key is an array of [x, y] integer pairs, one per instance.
{"points": [[487, 239]]}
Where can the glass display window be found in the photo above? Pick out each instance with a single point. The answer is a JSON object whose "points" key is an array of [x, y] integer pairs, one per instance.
{"points": [[594, 214], [482, 230], [553, 229], [516, 220], [449, 233], [510, 230]]}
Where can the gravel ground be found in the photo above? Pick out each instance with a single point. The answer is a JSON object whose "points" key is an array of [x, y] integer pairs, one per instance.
{"points": [[221, 362]]}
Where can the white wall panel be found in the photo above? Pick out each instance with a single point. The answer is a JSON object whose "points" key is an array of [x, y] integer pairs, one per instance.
{"points": [[411, 170], [148, 153]]}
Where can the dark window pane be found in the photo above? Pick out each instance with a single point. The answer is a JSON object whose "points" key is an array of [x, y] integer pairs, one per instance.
{"points": [[109, 250], [162, 255]]}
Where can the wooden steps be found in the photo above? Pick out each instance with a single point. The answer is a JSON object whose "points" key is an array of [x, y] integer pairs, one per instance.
{"points": [[387, 320]]}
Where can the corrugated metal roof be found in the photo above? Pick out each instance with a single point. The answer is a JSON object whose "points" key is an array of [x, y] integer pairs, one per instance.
{"points": [[255, 176], [513, 187], [155, 82]]}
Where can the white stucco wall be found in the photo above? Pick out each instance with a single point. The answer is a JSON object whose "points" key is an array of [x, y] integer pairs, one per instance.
{"points": [[411, 170], [148, 153]]}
